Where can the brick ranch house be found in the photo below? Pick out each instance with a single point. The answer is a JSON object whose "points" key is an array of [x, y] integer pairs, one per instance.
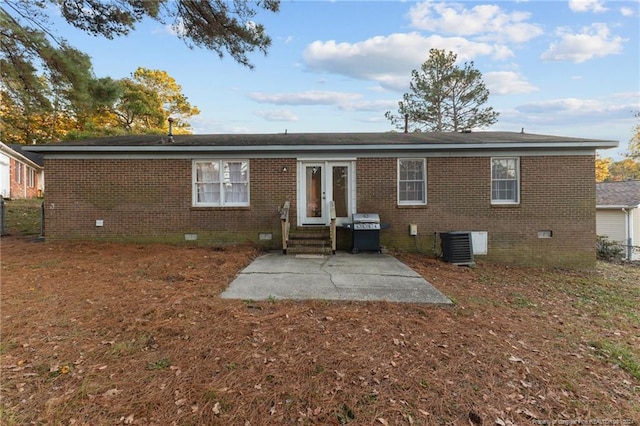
{"points": [[21, 173], [531, 197]]}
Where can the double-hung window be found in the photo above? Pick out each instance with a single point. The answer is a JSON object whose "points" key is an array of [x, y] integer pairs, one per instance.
{"points": [[505, 180], [412, 181], [220, 183], [31, 177], [19, 172]]}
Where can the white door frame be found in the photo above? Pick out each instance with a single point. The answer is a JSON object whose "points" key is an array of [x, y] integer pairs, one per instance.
{"points": [[327, 190]]}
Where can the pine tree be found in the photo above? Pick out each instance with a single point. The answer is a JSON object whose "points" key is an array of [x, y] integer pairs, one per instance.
{"points": [[444, 97]]}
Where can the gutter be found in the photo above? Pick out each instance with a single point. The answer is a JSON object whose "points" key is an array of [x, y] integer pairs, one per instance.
{"points": [[629, 230], [318, 147], [628, 237]]}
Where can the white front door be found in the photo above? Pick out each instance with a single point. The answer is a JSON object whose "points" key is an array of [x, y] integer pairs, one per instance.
{"points": [[320, 183]]}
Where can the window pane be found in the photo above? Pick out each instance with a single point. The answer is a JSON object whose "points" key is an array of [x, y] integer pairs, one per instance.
{"points": [[236, 193], [340, 190], [411, 181], [504, 180], [208, 193], [314, 191], [208, 172], [235, 178], [504, 190]]}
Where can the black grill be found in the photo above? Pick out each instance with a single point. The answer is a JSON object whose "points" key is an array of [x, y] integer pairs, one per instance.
{"points": [[365, 232]]}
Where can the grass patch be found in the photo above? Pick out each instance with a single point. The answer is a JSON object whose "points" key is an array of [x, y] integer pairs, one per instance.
{"points": [[47, 264], [7, 346], [23, 217], [8, 417], [609, 299], [160, 364], [619, 355], [520, 301]]}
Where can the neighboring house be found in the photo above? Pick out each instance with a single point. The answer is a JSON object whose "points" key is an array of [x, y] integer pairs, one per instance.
{"points": [[21, 173], [618, 215], [529, 198]]}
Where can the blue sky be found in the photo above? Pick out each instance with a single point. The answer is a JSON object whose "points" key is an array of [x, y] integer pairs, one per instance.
{"points": [[567, 68]]}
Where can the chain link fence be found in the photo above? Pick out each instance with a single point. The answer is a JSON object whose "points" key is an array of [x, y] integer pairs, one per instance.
{"points": [[3, 218]]}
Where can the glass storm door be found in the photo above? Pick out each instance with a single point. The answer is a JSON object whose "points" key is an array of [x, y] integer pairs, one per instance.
{"points": [[340, 193], [322, 182], [314, 195]]}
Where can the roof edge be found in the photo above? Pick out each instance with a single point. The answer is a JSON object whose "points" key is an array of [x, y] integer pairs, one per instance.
{"points": [[332, 148], [17, 155], [617, 207]]}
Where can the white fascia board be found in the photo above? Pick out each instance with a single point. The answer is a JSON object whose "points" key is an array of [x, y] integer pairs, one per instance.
{"points": [[7, 150], [616, 207], [320, 156], [322, 148]]}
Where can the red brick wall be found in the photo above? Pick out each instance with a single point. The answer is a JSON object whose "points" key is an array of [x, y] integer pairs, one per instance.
{"points": [[557, 194], [151, 200], [22, 189]]}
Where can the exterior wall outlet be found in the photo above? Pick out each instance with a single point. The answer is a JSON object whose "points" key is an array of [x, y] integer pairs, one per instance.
{"points": [[413, 229], [99, 222]]}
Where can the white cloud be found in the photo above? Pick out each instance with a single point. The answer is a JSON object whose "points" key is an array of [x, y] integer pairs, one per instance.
{"points": [[616, 106], [205, 125], [507, 83], [340, 100], [389, 60], [608, 117], [556, 106], [277, 115], [587, 5], [312, 97], [489, 22], [626, 11], [594, 41], [370, 106]]}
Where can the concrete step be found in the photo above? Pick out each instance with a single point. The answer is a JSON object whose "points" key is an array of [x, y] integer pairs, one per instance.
{"points": [[309, 241], [309, 250]]}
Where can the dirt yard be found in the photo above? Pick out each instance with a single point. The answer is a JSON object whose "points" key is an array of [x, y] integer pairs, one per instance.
{"points": [[105, 334]]}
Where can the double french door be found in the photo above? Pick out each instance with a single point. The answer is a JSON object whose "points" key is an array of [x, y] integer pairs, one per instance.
{"points": [[319, 183]]}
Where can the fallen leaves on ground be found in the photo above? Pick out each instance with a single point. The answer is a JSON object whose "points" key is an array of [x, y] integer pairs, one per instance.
{"points": [[136, 334]]}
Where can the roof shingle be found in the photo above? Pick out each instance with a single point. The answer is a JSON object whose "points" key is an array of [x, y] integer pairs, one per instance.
{"points": [[619, 194]]}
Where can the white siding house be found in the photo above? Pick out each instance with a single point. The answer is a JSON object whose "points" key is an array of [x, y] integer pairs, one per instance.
{"points": [[5, 175], [618, 215], [21, 172]]}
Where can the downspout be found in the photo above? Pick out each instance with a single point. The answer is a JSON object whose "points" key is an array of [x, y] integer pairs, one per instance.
{"points": [[628, 226]]}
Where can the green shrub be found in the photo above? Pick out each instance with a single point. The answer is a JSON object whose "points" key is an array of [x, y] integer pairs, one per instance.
{"points": [[608, 250]]}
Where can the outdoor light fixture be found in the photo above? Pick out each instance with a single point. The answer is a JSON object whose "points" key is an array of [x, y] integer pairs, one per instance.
{"points": [[284, 169]]}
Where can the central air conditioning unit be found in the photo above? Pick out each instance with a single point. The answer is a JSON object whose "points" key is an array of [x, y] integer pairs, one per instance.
{"points": [[457, 247]]}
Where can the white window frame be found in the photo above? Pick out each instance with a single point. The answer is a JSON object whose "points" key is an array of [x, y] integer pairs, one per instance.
{"points": [[19, 172], [514, 200], [31, 177], [422, 202], [221, 181]]}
